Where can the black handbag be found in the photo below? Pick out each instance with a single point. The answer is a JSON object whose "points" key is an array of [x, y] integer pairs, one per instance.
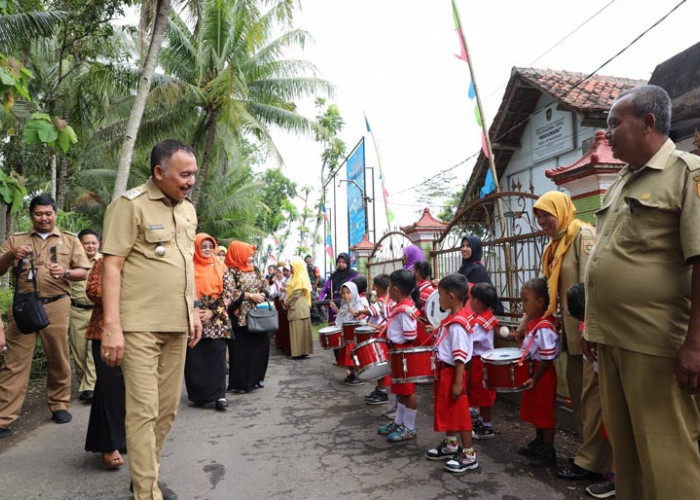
{"points": [[28, 308], [262, 320]]}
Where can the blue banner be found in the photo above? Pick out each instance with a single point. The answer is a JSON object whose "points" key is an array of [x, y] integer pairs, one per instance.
{"points": [[355, 194]]}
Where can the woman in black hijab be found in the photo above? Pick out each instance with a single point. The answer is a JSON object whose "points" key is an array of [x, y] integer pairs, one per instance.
{"points": [[342, 274], [472, 268]]}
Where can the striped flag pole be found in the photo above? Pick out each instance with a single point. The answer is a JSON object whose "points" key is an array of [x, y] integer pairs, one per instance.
{"points": [[385, 193]]}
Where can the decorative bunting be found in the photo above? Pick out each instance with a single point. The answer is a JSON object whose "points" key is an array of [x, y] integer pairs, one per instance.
{"points": [[385, 192]]}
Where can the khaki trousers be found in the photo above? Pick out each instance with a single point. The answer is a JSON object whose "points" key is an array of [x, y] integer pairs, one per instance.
{"points": [[153, 370], [81, 348], [574, 382], [654, 427], [14, 375], [594, 452]]}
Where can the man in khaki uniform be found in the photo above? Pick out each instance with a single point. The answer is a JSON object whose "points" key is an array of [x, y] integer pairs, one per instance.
{"points": [[58, 259], [80, 312], [148, 296], [643, 306]]}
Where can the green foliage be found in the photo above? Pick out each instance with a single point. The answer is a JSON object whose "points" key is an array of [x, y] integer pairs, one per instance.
{"points": [[11, 191], [56, 133], [330, 123], [14, 79], [278, 191], [449, 209]]}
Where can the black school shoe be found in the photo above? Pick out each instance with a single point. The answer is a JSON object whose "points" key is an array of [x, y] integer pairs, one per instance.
{"points": [[61, 416], [5, 432], [86, 397], [545, 456], [573, 471], [529, 449]]}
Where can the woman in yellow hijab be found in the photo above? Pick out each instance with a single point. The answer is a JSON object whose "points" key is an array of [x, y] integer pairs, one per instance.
{"points": [[298, 303], [563, 265]]}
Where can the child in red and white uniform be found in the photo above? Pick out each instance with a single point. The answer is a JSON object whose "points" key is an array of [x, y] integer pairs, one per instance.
{"points": [[351, 303], [401, 331], [453, 349], [482, 324], [377, 316], [541, 345]]}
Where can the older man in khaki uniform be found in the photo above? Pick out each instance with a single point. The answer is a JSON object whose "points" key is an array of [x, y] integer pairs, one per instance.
{"points": [[58, 259], [148, 296], [80, 312], [643, 307]]}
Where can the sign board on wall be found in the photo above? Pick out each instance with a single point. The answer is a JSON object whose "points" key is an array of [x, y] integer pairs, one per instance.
{"points": [[552, 133], [356, 209]]}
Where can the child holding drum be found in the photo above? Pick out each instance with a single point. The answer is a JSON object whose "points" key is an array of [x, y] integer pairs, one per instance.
{"points": [[482, 324], [401, 332], [351, 303], [453, 350], [541, 345]]}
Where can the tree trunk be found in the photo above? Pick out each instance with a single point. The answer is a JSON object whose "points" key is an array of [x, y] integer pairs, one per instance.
{"points": [[52, 164], [319, 215], [206, 157], [62, 183], [132, 126]]}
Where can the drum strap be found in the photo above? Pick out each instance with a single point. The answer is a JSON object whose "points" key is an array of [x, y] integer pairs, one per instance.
{"points": [[533, 326]]}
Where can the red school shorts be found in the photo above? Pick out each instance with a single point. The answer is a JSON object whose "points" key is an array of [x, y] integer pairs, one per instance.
{"points": [[479, 395], [449, 415], [537, 405]]}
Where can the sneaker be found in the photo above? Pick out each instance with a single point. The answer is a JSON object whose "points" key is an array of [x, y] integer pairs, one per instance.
{"points": [[461, 462], [402, 433], [477, 423], [387, 429], [379, 398], [443, 451], [529, 449], [352, 380], [61, 416], [545, 456], [602, 489], [483, 432], [372, 394]]}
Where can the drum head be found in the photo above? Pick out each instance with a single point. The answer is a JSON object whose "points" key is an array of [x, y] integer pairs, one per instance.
{"points": [[327, 330], [364, 329], [352, 323], [432, 309], [374, 371], [502, 355]]}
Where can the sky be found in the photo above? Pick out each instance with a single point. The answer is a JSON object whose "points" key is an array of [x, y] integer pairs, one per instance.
{"points": [[395, 60]]}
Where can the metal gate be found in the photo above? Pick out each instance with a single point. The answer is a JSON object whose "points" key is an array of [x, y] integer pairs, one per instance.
{"points": [[387, 254]]}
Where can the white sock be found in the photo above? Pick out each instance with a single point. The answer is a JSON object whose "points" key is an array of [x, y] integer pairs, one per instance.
{"points": [[400, 409], [409, 418]]}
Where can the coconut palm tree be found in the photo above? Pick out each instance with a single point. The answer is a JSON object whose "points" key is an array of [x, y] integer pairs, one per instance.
{"points": [[231, 81]]}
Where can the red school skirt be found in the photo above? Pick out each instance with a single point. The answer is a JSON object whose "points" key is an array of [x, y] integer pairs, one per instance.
{"points": [[479, 395], [449, 415], [537, 405]]}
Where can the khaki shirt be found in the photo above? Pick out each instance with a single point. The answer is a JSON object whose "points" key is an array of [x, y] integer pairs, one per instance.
{"points": [[69, 254], [573, 269], [157, 292], [638, 277], [77, 288]]}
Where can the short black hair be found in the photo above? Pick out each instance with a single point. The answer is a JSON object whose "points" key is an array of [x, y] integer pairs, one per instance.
{"points": [[42, 200], [382, 281], [576, 300], [361, 283], [164, 150], [455, 283], [424, 269], [540, 288], [85, 232], [485, 293], [308, 257], [404, 280]]}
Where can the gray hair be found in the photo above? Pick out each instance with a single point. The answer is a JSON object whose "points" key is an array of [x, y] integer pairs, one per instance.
{"points": [[651, 99]]}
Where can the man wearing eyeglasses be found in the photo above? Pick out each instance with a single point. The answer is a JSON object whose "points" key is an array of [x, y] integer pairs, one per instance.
{"points": [[57, 258]]}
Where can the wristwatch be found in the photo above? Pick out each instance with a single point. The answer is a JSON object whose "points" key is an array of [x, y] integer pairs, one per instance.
{"points": [[66, 274]]}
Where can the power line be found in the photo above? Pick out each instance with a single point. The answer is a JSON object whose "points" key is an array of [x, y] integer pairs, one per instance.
{"points": [[576, 85]]}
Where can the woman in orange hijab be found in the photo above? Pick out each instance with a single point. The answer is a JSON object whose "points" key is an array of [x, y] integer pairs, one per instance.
{"points": [[563, 264], [249, 353], [205, 365]]}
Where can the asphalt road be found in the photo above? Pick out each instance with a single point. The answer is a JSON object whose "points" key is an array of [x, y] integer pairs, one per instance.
{"points": [[304, 436]]}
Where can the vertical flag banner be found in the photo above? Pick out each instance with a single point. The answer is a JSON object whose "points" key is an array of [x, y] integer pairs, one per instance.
{"points": [[355, 194], [489, 183], [329, 239], [385, 193]]}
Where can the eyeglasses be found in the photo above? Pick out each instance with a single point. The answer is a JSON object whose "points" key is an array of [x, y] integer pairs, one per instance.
{"points": [[206, 246]]}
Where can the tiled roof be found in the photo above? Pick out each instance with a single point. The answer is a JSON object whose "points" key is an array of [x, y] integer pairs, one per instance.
{"points": [[364, 244], [427, 221], [592, 99], [599, 155]]}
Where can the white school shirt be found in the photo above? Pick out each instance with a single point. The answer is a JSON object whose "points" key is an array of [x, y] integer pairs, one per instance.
{"points": [[455, 345], [403, 328], [546, 344]]}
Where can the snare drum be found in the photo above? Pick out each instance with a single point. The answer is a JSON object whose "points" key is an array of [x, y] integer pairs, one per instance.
{"points": [[414, 364], [364, 333], [371, 359], [502, 373], [331, 337], [349, 330]]}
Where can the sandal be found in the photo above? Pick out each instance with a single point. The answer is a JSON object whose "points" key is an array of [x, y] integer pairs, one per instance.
{"points": [[112, 460]]}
